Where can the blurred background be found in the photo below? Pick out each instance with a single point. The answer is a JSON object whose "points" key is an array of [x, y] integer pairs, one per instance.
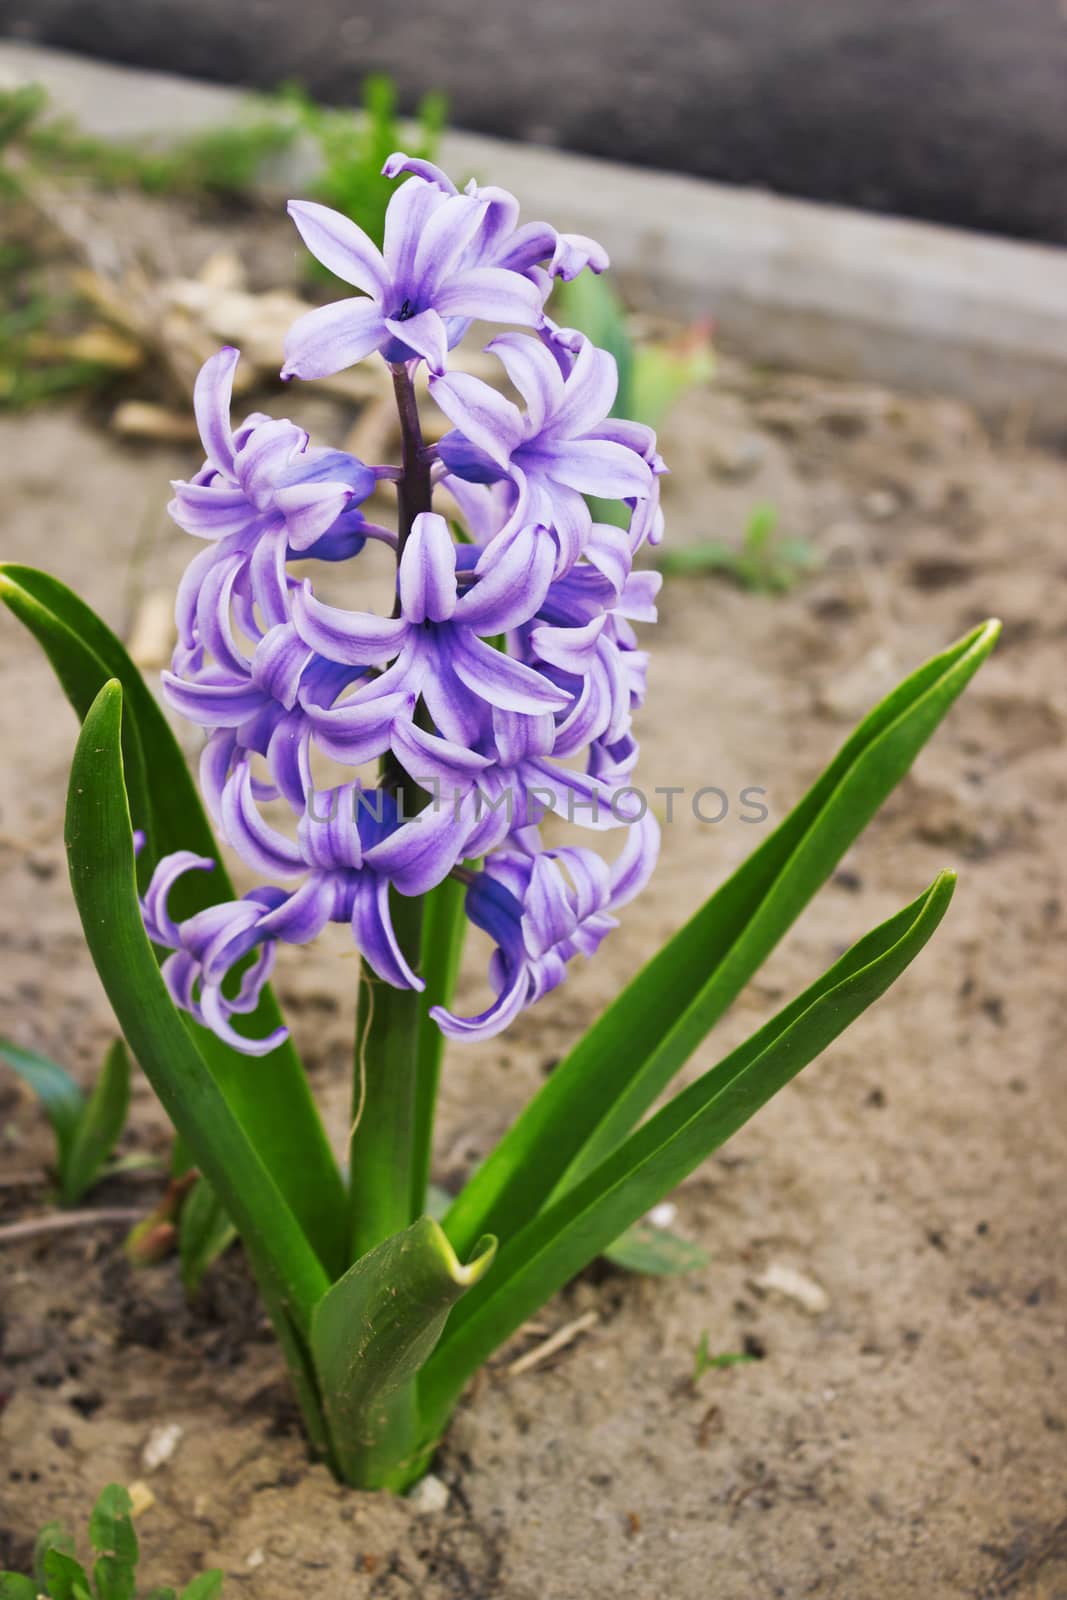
{"points": [[948, 110]]}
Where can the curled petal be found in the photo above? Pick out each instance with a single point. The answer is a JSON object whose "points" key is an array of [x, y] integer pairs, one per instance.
{"points": [[351, 638], [589, 392], [372, 930], [211, 404], [595, 466], [513, 578], [263, 847], [159, 924]]}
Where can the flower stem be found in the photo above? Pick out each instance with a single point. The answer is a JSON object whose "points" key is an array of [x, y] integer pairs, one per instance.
{"points": [[388, 1122]]}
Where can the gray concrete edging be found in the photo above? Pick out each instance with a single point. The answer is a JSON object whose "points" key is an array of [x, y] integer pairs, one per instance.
{"points": [[787, 282]]}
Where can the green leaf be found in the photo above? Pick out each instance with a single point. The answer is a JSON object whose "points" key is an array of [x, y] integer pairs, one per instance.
{"points": [[100, 851], [114, 1579], [284, 1125], [65, 1578], [206, 1586], [14, 1586], [110, 1528], [100, 1124], [204, 1232], [370, 1335], [163, 1593], [621, 1065], [585, 1219], [63, 1101], [655, 1253], [664, 372]]}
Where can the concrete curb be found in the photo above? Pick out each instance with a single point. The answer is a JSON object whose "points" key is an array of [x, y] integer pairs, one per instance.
{"points": [[788, 282]]}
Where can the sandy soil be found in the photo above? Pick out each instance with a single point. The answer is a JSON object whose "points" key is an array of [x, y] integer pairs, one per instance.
{"points": [[908, 1439]]}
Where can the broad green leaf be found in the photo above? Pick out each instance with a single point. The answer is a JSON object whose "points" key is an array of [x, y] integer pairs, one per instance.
{"points": [[621, 1065], [578, 1225], [111, 1531], [63, 1101], [284, 1125], [206, 1587], [14, 1586], [100, 1124], [370, 1335], [655, 1252], [65, 1578], [204, 1232], [100, 851], [114, 1579]]}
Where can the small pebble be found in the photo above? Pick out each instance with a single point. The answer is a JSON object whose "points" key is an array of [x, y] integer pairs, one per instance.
{"points": [[881, 504], [663, 1215], [429, 1494], [161, 1445], [794, 1285]]}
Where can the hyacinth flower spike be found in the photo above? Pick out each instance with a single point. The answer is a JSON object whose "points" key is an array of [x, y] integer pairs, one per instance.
{"points": [[500, 684]]}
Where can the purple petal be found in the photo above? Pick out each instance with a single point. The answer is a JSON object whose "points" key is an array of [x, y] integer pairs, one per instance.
{"points": [[491, 294], [263, 458], [573, 253], [513, 578], [636, 863], [278, 663], [502, 681], [310, 510], [570, 649], [261, 846], [595, 466], [212, 704], [533, 372], [589, 392], [305, 913], [352, 638], [211, 404], [341, 246], [211, 510], [547, 916], [372, 930], [398, 162], [330, 338], [428, 571], [359, 729], [159, 924], [424, 333], [406, 216], [442, 243], [422, 852], [488, 420], [430, 760]]}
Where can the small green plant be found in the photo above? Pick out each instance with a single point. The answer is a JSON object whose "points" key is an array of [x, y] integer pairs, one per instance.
{"points": [[59, 1575], [353, 151], [86, 1127], [704, 1362], [763, 563], [223, 162]]}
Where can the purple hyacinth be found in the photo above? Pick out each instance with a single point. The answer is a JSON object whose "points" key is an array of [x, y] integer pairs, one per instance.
{"points": [[502, 684]]}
